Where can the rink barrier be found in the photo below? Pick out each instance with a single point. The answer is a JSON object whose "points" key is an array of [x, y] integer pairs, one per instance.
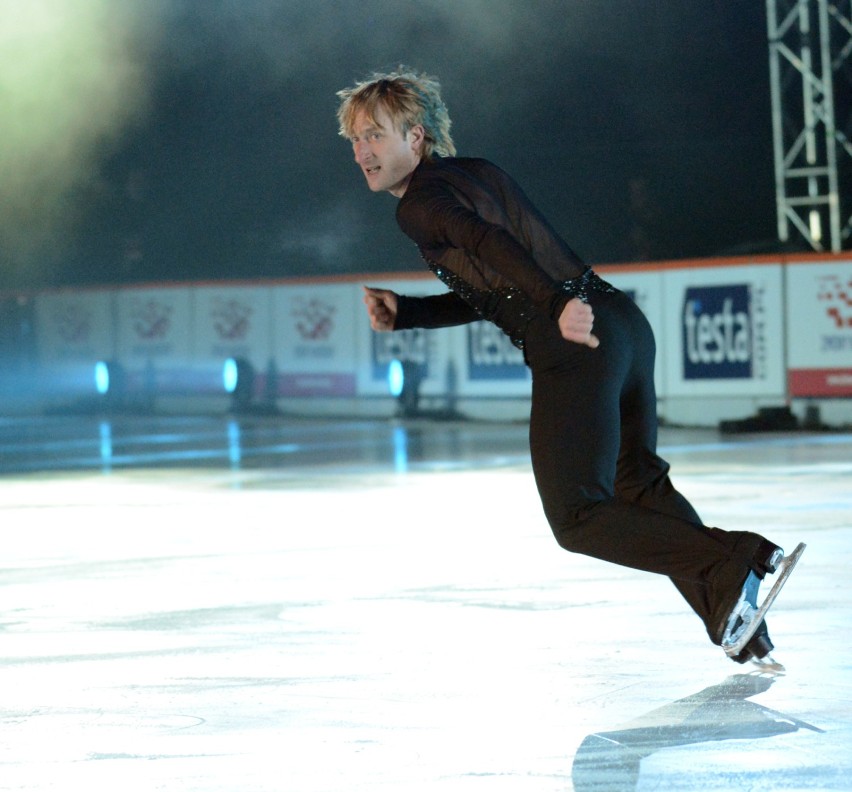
{"points": [[733, 335]]}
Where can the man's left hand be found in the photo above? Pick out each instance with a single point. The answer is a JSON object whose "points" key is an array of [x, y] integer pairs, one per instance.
{"points": [[576, 322]]}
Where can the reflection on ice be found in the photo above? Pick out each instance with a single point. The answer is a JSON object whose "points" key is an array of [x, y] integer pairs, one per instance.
{"points": [[105, 429], [234, 448], [610, 761], [400, 449]]}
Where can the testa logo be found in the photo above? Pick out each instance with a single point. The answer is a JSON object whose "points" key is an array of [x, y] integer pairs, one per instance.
{"points": [[717, 333]]}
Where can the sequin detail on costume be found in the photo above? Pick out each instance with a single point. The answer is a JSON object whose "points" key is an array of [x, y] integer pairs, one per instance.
{"points": [[583, 284], [488, 303], [509, 308], [460, 286]]}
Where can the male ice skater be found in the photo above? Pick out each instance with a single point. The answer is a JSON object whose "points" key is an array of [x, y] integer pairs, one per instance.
{"points": [[593, 426]]}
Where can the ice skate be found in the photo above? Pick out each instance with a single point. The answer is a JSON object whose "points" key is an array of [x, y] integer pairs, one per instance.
{"points": [[767, 665], [746, 618], [757, 652]]}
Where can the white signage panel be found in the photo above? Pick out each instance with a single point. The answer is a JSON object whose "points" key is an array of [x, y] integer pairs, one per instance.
{"points": [[233, 322], [74, 327], [723, 331], [155, 325], [156, 341], [314, 345], [819, 315]]}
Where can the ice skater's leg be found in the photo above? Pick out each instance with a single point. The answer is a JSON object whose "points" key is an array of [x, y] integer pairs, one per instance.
{"points": [[595, 501]]}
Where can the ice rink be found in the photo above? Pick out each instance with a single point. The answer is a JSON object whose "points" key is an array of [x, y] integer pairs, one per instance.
{"points": [[292, 605]]}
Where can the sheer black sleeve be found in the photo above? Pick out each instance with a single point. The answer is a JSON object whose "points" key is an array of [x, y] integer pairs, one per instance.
{"points": [[439, 310]]}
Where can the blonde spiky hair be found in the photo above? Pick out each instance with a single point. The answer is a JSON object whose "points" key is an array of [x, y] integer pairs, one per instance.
{"points": [[409, 99]]}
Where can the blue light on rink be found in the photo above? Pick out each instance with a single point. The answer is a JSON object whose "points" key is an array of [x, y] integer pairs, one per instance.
{"points": [[102, 377], [396, 378], [230, 375]]}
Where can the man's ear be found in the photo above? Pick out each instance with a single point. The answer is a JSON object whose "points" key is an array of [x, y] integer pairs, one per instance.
{"points": [[417, 137]]}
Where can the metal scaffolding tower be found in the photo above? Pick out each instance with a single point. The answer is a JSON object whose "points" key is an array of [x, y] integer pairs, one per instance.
{"points": [[810, 44]]}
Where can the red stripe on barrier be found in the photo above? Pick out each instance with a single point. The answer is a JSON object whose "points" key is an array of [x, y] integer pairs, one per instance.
{"points": [[820, 382]]}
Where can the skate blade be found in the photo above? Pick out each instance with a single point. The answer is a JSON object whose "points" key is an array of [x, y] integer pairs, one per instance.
{"points": [[752, 617], [767, 665]]}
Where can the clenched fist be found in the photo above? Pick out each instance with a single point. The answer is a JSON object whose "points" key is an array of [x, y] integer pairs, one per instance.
{"points": [[576, 322], [381, 307]]}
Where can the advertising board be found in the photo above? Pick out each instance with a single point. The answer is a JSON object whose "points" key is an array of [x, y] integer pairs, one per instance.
{"points": [[723, 331], [74, 327], [819, 315], [313, 343]]}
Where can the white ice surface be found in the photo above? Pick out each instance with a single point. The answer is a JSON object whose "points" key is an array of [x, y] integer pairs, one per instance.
{"points": [[200, 630]]}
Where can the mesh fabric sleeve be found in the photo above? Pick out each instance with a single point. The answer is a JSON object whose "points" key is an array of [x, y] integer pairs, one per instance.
{"points": [[440, 310]]}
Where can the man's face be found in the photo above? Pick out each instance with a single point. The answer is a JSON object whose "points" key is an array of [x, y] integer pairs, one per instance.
{"points": [[386, 156]]}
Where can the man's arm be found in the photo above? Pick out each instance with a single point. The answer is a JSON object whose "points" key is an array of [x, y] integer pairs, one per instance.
{"points": [[391, 311], [439, 310], [439, 219]]}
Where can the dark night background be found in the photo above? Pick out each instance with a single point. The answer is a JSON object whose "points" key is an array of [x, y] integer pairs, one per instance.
{"points": [[209, 147]]}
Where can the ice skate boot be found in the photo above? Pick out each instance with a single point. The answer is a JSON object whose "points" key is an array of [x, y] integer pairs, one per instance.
{"points": [[753, 557], [757, 652], [747, 617]]}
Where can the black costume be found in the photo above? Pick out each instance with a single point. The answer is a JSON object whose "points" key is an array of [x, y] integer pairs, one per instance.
{"points": [[593, 426]]}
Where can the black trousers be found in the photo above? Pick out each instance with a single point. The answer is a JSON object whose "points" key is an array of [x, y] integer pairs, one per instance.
{"points": [[593, 440]]}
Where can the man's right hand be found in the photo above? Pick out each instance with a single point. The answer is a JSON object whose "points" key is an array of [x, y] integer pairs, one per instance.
{"points": [[381, 307]]}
